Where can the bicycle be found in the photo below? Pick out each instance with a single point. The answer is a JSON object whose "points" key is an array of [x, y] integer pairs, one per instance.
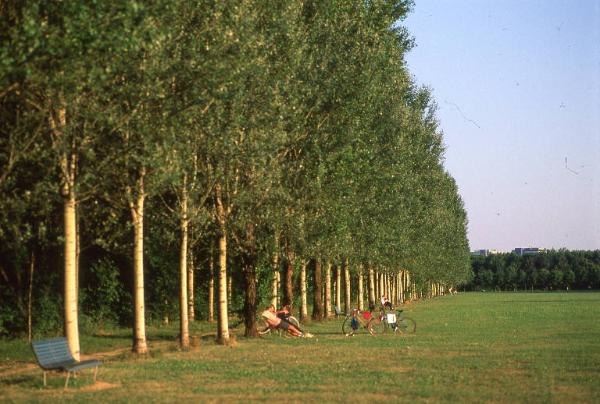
{"points": [[363, 320], [398, 322]]}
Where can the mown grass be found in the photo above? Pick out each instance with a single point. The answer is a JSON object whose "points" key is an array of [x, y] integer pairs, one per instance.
{"points": [[474, 347]]}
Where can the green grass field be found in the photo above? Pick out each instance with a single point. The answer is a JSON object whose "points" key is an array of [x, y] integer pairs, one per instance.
{"points": [[475, 347]]}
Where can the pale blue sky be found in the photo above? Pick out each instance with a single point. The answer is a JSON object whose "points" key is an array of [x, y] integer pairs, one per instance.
{"points": [[517, 84]]}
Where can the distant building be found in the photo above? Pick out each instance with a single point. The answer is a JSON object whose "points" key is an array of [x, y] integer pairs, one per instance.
{"points": [[528, 250], [484, 253]]}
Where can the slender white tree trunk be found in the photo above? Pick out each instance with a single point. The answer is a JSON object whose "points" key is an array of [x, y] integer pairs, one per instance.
{"points": [[361, 290], [327, 299], [347, 297], [275, 279], [303, 292], [190, 285], [184, 329], [223, 316], [211, 287], [137, 213], [338, 287], [71, 320], [371, 287]]}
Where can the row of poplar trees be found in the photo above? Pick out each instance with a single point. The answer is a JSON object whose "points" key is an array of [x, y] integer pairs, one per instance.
{"points": [[271, 128]]}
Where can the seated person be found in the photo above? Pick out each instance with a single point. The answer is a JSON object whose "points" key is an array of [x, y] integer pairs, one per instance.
{"points": [[274, 321], [385, 303], [284, 313]]}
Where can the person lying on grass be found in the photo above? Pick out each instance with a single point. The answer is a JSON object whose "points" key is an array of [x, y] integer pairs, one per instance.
{"points": [[270, 316]]}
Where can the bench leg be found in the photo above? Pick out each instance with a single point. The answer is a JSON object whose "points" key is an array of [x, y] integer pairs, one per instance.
{"points": [[95, 373], [67, 379], [44, 378]]}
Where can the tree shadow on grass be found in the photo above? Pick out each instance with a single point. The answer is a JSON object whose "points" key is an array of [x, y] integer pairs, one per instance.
{"points": [[27, 380]]}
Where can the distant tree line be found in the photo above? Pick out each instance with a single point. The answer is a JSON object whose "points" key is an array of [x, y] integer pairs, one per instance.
{"points": [[551, 270], [172, 160]]}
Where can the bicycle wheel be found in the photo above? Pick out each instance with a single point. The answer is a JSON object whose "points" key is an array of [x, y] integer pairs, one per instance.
{"points": [[406, 325], [294, 321], [264, 331], [376, 326], [347, 325]]}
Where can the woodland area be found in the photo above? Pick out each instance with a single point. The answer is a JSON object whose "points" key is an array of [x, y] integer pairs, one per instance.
{"points": [[552, 270], [179, 160]]}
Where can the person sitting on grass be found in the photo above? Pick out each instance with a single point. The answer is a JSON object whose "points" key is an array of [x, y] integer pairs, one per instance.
{"points": [[284, 313], [270, 315], [385, 303]]}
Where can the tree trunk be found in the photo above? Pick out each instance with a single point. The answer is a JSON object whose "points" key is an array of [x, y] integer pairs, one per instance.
{"points": [[211, 287], [190, 284], [229, 291], [317, 313], [304, 301], [71, 319], [30, 298], [67, 164], [275, 278], [371, 288], [401, 287], [223, 316], [361, 291], [137, 213], [289, 279], [249, 259], [338, 287], [328, 291], [184, 328], [347, 297], [388, 286], [250, 300]]}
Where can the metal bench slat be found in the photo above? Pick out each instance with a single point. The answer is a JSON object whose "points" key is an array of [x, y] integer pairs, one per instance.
{"points": [[52, 353]]}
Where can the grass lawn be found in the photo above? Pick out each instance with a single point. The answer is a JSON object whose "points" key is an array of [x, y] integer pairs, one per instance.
{"points": [[475, 347]]}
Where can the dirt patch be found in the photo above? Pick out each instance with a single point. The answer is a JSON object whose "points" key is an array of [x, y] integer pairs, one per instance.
{"points": [[99, 386], [404, 369], [18, 369]]}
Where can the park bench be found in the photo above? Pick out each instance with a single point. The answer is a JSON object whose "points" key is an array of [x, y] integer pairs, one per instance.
{"points": [[54, 354]]}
